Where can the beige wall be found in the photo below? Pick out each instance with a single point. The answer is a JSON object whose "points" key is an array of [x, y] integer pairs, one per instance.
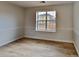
{"points": [[76, 25], [11, 22], [64, 23]]}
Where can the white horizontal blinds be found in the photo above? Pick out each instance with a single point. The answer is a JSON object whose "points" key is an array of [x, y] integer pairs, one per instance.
{"points": [[41, 18], [46, 21], [51, 21], [41, 15]]}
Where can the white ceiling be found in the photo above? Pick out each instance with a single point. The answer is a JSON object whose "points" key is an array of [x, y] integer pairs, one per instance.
{"points": [[37, 3]]}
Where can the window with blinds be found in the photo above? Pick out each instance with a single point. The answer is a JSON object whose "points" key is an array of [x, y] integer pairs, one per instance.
{"points": [[46, 21]]}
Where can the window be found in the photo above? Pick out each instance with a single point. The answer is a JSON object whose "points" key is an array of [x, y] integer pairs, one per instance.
{"points": [[46, 21]]}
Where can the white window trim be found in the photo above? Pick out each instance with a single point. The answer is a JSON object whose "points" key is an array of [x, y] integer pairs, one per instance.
{"points": [[37, 25]]}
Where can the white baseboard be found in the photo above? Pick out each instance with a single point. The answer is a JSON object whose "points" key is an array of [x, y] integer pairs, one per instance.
{"points": [[77, 50], [10, 41], [48, 39]]}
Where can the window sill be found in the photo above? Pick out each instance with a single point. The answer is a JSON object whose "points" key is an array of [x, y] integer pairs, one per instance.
{"points": [[45, 31]]}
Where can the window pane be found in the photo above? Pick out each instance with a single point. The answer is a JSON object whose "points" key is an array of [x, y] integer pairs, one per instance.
{"points": [[41, 15], [46, 21], [51, 25], [51, 21], [41, 25], [51, 15]]}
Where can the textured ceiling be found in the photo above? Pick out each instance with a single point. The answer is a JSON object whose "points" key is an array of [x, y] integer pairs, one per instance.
{"points": [[37, 3]]}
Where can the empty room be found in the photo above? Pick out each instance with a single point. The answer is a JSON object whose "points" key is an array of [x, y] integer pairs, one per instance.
{"points": [[39, 28]]}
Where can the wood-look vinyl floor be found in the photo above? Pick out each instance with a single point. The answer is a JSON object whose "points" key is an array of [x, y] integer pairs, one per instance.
{"points": [[37, 48]]}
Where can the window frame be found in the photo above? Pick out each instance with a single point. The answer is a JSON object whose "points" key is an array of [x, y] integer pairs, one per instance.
{"points": [[36, 28]]}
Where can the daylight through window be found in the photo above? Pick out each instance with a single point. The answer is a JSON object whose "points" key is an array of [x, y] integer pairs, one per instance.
{"points": [[46, 21]]}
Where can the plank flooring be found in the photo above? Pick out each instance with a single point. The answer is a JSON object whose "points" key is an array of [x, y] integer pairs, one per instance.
{"points": [[28, 47]]}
